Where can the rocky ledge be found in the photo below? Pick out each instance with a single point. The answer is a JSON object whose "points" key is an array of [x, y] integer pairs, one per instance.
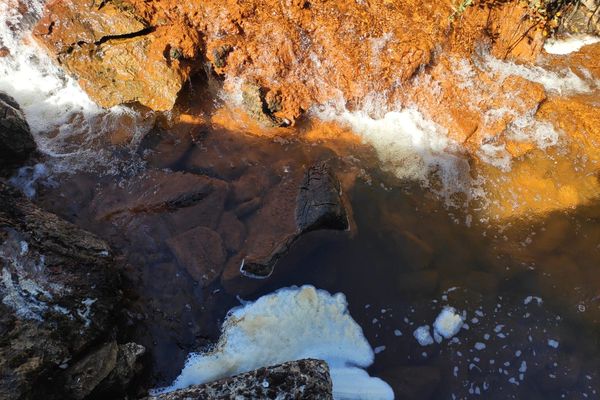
{"points": [[60, 290], [305, 379]]}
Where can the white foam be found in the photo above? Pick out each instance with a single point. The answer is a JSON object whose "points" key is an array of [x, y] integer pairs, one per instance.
{"points": [[448, 323], [290, 324], [423, 335], [408, 145], [569, 44], [563, 82]]}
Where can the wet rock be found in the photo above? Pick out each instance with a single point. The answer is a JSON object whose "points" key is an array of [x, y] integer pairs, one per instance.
{"points": [[127, 366], [257, 106], [302, 202], [59, 291], [319, 204], [118, 56], [201, 252], [83, 377], [413, 383], [16, 141], [304, 379]]}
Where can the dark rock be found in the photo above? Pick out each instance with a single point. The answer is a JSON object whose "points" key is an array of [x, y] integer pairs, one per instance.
{"points": [[16, 141], [304, 201], [413, 383], [127, 366], [201, 252], [580, 17], [319, 205], [83, 377], [304, 379], [59, 291]]}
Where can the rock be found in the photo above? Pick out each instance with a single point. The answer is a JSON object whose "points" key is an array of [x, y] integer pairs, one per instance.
{"points": [[117, 55], [16, 141], [304, 379], [201, 252], [188, 200], [277, 225], [413, 383], [83, 377], [59, 291], [319, 204], [126, 368], [257, 106]]}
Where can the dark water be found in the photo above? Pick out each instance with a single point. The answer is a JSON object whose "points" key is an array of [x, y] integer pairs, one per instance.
{"points": [[525, 285]]}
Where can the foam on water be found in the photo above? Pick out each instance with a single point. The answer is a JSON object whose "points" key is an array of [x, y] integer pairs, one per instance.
{"points": [[563, 82], [408, 145], [569, 44], [290, 324]]}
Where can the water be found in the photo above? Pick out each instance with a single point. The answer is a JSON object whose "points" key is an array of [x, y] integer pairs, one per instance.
{"points": [[520, 271]]}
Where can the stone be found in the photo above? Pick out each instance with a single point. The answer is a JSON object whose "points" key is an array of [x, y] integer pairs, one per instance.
{"points": [[16, 141], [274, 228], [304, 379], [83, 377], [117, 55], [201, 252], [59, 291], [127, 366]]}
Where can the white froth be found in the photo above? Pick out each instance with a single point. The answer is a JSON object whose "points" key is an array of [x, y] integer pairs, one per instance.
{"points": [[290, 324], [423, 335], [569, 44], [563, 82], [448, 323], [407, 144]]}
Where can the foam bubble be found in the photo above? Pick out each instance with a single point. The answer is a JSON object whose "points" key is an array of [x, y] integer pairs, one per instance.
{"points": [[569, 44], [290, 324]]}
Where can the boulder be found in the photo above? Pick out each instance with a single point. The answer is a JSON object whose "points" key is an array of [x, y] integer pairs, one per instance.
{"points": [[59, 290], [16, 141], [299, 204], [117, 55], [304, 201], [304, 379]]}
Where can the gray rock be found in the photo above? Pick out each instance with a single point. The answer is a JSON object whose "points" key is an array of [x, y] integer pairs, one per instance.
{"points": [[83, 377], [58, 294], [304, 379], [126, 368], [16, 141]]}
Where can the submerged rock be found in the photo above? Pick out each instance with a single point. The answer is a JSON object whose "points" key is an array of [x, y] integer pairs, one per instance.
{"points": [[304, 379], [59, 290], [16, 141], [300, 203]]}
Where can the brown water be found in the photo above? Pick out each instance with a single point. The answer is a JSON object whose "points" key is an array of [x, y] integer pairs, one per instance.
{"points": [[522, 281]]}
